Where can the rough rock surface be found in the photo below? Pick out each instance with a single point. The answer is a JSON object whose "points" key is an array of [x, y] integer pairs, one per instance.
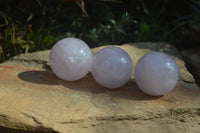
{"points": [[192, 58], [32, 98]]}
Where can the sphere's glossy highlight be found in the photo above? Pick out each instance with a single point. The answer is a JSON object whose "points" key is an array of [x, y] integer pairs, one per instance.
{"points": [[70, 59], [112, 67], [156, 73]]}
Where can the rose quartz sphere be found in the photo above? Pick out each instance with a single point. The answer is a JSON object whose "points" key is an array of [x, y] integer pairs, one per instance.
{"points": [[112, 67], [156, 73], [70, 59]]}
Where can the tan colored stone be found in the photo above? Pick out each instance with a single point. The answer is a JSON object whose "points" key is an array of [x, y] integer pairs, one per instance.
{"points": [[32, 98]]}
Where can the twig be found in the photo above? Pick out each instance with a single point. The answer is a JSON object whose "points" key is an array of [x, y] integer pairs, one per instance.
{"points": [[4, 17], [82, 6]]}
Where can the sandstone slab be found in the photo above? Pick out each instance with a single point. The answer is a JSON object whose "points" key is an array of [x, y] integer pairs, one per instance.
{"points": [[32, 98]]}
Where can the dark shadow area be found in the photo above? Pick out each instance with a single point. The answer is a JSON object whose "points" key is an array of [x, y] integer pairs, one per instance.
{"points": [[191, 69], [88, 84], [9, 130], [128, 91], [39, 77], [191, 58]]}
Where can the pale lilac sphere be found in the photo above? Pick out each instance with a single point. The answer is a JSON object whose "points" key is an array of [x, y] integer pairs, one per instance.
{"points": [[70, 59], [112, 67], [156, 73]]}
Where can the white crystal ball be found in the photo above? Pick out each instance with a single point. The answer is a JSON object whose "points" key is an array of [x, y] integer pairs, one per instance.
{"points": [[156, 73], [112, 67], [70, 59]]}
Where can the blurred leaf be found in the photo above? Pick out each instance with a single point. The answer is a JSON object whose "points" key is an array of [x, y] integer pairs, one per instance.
{"points": [[49, 39]]}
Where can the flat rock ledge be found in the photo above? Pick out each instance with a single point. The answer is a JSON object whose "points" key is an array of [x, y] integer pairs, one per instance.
{"points": [[32, 98]]}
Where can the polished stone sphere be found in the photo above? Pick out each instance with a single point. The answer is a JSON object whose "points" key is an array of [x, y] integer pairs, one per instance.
{"points": [[70, 59], [156, 73], [112, 67]]}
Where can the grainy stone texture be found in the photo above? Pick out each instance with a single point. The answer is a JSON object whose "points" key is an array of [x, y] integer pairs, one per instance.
{"points": [[32, 98]]}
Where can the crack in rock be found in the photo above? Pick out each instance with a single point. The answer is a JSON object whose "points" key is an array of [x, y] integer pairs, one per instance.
{"points": [[33, 118], [177, 115]]}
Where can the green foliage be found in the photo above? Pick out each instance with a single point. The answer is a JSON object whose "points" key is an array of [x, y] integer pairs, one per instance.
{"points": [[114, 32], [143, 33], [27, 26]]}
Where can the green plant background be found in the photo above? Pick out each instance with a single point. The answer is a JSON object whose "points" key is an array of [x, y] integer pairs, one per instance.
{"points": [[32, 25]]}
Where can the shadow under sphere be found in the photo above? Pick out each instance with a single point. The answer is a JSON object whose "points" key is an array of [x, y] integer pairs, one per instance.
{"points": [[88, 84]]}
